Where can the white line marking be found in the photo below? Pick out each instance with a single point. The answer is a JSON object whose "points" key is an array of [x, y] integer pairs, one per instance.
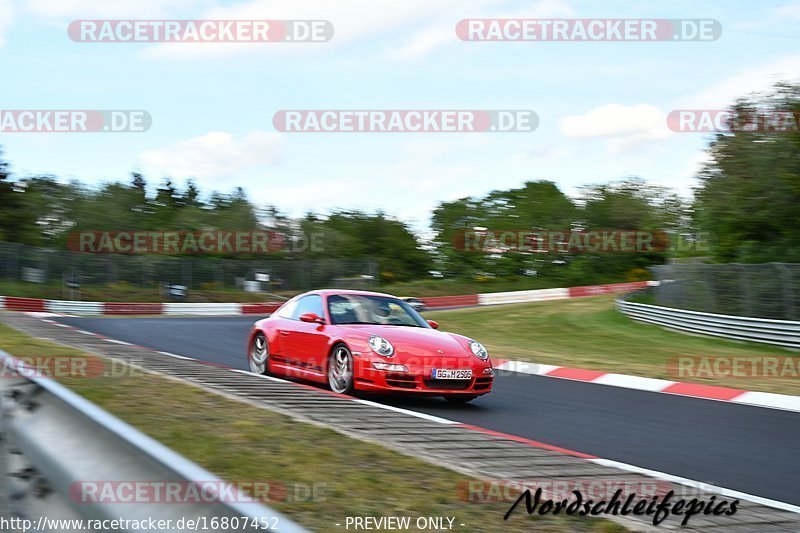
{"points": [[176, 356], [633, 382], [59, 324], [699, 485], [115, 341], [86, 332], [406, 412]]}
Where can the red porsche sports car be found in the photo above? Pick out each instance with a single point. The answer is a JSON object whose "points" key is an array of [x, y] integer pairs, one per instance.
{"points": [[367, 341]]}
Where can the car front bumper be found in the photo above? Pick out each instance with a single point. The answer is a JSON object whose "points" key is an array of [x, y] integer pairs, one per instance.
{"points": [[418, 379]]}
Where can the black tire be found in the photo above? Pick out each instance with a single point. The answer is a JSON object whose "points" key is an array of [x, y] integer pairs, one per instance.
{"points": [[459, 398], [341, 378]]}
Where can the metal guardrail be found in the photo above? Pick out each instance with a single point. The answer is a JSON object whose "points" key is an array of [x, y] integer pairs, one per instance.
{"points": [[784, 333], [53, 440]]}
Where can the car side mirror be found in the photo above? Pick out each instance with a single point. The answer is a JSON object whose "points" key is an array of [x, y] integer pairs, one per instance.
{"points": [[312, 317], [433, 324]]}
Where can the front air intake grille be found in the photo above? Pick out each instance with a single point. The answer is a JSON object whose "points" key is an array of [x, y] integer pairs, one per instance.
{"points": [[451, 384]]}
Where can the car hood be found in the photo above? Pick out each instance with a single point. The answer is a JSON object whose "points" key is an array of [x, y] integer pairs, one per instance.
{"points": [[419, 342]]}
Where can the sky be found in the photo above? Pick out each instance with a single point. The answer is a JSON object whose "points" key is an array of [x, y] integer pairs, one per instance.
{"points": [[602, 106]]}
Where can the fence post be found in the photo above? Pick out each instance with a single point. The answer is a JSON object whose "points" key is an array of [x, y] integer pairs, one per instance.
{"points": [[745, 288], [786, 283]]}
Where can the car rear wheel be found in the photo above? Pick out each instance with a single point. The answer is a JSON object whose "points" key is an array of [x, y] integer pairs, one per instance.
{"points": [[340, 370], [460, 398], [259, 354]]}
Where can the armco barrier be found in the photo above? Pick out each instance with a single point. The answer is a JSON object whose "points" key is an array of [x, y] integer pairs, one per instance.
{"points": [[67, 307], [539, 295], [450, 301], [260, 309], [779, 332], [53, 440], [611, 288], [264, 308], [202, 309], [13, 303], [131, 308]]}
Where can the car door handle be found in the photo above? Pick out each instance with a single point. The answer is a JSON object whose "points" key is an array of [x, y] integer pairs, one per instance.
{"points": [[284, 333]]}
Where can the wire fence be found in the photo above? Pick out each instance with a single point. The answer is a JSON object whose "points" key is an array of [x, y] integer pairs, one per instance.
{"points": [[40, 265], [769, 290]]}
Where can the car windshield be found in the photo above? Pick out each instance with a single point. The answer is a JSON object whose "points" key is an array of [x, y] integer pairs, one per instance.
{"points": [[364, 309]]}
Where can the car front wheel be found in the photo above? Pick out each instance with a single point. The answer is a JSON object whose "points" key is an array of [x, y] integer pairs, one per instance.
{"points": [[340, 370], [259, 354]]}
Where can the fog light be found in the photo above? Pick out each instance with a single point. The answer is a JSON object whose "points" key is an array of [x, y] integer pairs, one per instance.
{"points": [[488, 372], [390, 367]]}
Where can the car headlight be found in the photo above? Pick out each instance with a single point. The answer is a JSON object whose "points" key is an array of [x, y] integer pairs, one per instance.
{"points": [[478, 350], [381, 346]]}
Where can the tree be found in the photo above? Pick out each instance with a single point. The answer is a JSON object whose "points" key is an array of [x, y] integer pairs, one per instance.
{"points": [[537, 205], [750, 188], [355, 234], [192, 194], [16, 223]]}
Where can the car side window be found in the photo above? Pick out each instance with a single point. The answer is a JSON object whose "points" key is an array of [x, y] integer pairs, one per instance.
{"points": [[308, 304]]}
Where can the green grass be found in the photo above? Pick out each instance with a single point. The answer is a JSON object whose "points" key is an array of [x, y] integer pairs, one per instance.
{"points": [[240, 442], [590, 333]]}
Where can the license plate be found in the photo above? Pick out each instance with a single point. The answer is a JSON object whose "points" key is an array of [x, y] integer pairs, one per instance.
{"points": [[443, 373]]}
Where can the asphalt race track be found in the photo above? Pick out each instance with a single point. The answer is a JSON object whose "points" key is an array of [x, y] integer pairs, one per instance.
{"points": [[750, 449]]}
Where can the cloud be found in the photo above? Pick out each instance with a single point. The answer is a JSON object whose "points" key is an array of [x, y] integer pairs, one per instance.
{"points": [[216, 154], [755, 79], [789, 10], [6, 19], [626, 127]]}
